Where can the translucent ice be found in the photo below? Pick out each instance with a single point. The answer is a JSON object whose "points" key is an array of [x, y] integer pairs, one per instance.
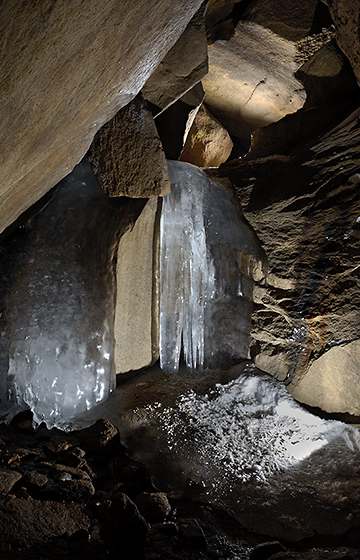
{"points": [[209, 259], [56, 344]]}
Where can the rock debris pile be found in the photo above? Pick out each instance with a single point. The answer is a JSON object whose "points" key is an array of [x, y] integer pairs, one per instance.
{"points": [[77, 496]]}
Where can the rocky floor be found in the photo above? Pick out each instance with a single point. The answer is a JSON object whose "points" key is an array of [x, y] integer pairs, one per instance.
{"points": [[77, 495]]}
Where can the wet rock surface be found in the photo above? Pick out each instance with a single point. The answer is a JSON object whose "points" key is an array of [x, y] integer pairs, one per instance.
{"points": [[123, 514]]}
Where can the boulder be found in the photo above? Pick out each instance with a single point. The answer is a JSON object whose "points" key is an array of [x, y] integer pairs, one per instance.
{"points": [[174, 123], [291, 22], [28, 522], [7, 480], [136, 312], [305, 209], [345, 14], [67, 69], [251, 80], [126, 154], [332, 381], [208, 143], [326, 76], [183, 66]]}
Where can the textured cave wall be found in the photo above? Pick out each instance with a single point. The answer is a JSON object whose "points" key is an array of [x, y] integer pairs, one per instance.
{"points": [[66, 69], [299, 189]]}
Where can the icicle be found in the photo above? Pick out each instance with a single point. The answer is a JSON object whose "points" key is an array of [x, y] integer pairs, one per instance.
{"points": [[186, 271], [208, 260]]}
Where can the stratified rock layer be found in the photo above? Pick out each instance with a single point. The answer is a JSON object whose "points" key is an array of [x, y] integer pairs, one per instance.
{"points": [[67, 69], [305, 209], [136, 312]]}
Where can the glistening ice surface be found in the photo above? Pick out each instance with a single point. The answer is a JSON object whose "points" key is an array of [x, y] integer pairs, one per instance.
{"points": [[209, 259], [56, 352], [239, 440]]}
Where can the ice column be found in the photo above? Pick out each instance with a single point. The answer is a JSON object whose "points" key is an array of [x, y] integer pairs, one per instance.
{"points": [[57, 322], [209, 259], [186, 269]]}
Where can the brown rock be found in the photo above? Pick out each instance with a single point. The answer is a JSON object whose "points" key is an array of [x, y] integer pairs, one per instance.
{"points": [[67, 69], [305, 209], [126, 154], [326, 76], [208, 143], [7, 480], [250, 81], [35, 479], [80, 491], [292, 23], [345, 14], [154, 506], [27, 522], [184, 65], [332, 381], [101, 437], [190, 530], [174, 123], [136, 326]]}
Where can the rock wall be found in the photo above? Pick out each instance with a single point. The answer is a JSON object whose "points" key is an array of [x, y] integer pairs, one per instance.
{"points": [[305, 209], [67, 69]]}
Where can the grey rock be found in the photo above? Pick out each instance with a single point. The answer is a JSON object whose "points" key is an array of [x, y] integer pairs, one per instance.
{"points": [[68, 69]]}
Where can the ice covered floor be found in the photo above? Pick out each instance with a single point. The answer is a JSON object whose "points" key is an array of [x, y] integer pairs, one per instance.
{"points": [[239, 440]]}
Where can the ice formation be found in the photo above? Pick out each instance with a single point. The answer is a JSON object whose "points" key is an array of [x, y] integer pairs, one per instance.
{"points": [[245, 430], [56, 343], [209, 259]]}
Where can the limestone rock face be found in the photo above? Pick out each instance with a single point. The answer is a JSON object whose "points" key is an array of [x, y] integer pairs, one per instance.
{"points": [[305, 209], [137, 303], [126, 154], [345, 14], [291, 22], [326, 76], [183, 66], [208, 143], [250, 81], [67, 69]]}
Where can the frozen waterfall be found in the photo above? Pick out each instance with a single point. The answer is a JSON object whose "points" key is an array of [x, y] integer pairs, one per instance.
{"points": [[209, 259], [57, 303], [57, 291]]}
